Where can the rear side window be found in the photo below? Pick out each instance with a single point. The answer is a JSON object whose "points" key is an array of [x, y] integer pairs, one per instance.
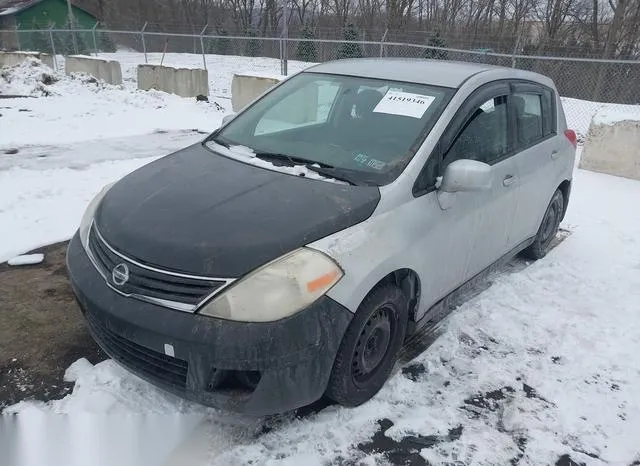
{"points": [[528, 111], [534, 114], [548, 113]]}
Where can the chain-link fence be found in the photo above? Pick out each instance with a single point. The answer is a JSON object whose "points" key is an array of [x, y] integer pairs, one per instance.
{"points": [[613, 81]]}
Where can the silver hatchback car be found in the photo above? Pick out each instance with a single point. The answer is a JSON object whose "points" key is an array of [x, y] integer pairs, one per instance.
{"points": [[294, 251]]}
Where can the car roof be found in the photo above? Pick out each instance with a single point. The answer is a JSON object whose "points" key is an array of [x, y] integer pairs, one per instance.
{"points": [[442, 73]]}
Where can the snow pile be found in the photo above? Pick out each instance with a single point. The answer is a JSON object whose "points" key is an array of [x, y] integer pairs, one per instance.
{"points": [[29, 78], [121, 393], [27, 259]]}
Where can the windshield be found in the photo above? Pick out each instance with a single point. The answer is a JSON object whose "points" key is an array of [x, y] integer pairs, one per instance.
{"points": [[364, 129]]}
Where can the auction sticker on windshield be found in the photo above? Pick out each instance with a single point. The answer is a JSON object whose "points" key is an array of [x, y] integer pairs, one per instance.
{"points": [[404, 103]]}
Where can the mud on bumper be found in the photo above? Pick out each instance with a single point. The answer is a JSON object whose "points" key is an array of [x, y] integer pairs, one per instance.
{"points": [[251, 368]]}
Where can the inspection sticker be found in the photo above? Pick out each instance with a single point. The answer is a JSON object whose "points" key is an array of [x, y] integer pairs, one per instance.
{"points": [[404, 103]]}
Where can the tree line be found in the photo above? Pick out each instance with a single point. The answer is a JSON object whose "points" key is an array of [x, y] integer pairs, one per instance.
{"points": [[587, 28]]}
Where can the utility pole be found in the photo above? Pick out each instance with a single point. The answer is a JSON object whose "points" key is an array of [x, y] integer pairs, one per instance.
{"points": [[72, 26]]}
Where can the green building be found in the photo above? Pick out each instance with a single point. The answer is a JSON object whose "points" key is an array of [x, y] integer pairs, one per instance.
{"points": [[16, 15]]}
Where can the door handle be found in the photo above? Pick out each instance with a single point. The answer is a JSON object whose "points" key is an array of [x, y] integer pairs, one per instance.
{"points": [[508, 180], [555, 154]]}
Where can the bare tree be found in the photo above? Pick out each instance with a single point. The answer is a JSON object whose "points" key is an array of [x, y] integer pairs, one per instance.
{"points": [[305, 10]]}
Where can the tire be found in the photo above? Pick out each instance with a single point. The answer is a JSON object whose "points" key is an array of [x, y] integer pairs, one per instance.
{"points": [[369, 348], [548, 228]]}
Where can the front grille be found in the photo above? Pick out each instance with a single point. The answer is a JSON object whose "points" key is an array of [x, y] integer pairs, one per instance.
{"points": [[156, 366], [146, 282]]}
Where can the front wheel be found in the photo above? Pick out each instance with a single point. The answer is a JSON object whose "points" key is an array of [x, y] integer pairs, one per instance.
{"points": [[370, 346], [548, 228]]}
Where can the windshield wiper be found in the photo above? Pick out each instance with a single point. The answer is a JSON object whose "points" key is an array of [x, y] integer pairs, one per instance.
{"points": [[292, 159], [336, 173], [218, 141], [322, 168]]}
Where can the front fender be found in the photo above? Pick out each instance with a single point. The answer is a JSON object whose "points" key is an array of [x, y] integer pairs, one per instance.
{"points": [[367, 253]]}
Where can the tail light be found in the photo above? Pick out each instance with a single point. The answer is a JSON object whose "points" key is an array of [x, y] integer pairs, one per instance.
{"points": [[572, 137]]}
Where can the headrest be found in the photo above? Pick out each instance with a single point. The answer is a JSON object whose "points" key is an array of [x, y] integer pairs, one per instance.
{"points": [[366, 100]]}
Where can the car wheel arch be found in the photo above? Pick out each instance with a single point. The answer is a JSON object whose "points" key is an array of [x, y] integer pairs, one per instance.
{"points": [[408, 281], [565, 188]]}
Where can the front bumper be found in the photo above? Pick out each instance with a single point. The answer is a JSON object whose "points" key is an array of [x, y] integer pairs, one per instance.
{"points": [[291, 359]]}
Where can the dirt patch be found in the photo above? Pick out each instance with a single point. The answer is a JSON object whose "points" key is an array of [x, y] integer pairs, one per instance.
{"points": [[41, 330], [414, 372], [407, 450]]}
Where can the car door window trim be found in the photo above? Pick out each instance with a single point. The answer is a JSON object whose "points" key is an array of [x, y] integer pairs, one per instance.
{"points": [[530, 87], [456, 124]]}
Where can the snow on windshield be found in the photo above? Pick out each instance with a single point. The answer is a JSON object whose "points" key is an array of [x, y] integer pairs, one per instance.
{"points": [[247, 155]]}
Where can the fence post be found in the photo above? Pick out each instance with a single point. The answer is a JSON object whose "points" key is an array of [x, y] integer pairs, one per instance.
{"points": [[284, 39], [72, 23], [364, 46], [384, 37], [95, 43], [204, 60], [515, 51], [164, 51], [53, 47], [144, 44]]}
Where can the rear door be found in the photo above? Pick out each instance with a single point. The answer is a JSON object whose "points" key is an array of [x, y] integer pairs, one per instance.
{"points": [[540, 153]]}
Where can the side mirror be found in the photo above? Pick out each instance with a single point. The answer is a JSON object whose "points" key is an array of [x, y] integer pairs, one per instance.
{"points": [[227, 117], [466, 175]]}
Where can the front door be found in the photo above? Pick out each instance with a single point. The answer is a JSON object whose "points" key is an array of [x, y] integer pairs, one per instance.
{"points": [[471, 230]]}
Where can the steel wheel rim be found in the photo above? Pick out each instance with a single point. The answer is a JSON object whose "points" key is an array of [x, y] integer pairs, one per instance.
{"points": [[372, 345], [548, 226]]}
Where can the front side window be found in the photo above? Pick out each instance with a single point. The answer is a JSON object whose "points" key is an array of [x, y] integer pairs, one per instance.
{"points": [[369, 128], [485, 135]]}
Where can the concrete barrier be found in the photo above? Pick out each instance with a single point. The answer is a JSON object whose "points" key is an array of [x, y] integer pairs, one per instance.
{"points": [[15, 58], [108, 71], [246, 87], [184, 82], [612, 145]]}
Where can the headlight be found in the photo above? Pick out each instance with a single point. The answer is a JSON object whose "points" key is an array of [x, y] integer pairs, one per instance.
{"points": [[88, 215], [278, 289]]}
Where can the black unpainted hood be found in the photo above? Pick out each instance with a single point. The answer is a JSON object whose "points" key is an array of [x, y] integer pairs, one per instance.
{"points": [[199, 212]]}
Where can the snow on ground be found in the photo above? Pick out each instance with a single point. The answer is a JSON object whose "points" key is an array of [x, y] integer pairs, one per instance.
{"points": [[40, 207], [542, 364], [81, 109], [221, 67]]}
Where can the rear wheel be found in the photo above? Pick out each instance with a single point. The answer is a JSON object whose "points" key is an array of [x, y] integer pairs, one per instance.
{"points": [[548, 228], [370, 346]]}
